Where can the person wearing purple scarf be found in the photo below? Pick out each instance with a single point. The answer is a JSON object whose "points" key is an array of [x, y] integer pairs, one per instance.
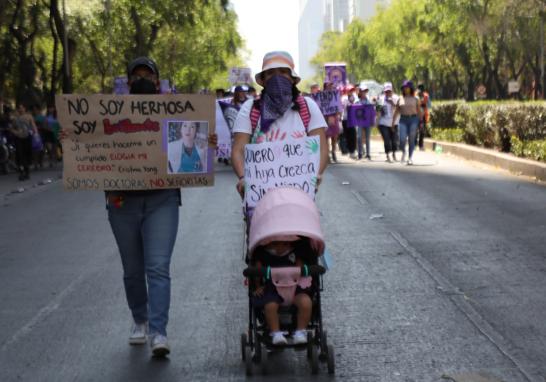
{"points": [[280, 113]]}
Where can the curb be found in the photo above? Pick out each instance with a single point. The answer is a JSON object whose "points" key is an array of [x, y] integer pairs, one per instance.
{"points": [[518, 166]]}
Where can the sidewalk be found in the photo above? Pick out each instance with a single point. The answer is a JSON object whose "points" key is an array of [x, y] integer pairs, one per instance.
{"points": [[504, 161]]}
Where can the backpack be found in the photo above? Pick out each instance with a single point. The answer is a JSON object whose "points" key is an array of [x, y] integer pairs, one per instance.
{"points": [[303, 111]]}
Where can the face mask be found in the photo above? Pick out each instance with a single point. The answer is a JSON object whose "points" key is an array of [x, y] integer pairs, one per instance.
{"points": [[277, 99], [143, 86]]}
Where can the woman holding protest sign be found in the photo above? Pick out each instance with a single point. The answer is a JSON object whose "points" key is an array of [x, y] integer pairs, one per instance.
{"points": [[280, 113], [367, 129], [332, 120], [145, 226]]}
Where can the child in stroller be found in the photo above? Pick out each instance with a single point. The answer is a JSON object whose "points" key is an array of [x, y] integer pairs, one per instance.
{"points": [[285, 241]]}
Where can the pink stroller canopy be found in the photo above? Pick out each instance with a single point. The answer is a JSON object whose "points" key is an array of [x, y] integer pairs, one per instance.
{"points": [[283, 214]]}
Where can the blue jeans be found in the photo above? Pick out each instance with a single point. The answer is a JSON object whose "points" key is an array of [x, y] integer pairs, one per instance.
{"points": [[145, 227], [367, 132], [408, 129]]}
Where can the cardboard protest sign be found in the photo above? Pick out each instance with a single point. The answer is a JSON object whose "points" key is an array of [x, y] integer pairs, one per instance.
{"points": [[336, 73], [329, 102], [223, 151], [293, 163], [136, 142], [360, 115], [240, 76]]}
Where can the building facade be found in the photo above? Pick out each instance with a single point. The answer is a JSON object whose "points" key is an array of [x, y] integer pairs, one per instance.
{"points": [[319, 16]]}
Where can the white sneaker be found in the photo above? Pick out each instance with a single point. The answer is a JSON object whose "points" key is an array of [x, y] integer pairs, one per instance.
{"points": [[138, 334], [278, 338], [299, 337], [410, 162], [159, 345]]}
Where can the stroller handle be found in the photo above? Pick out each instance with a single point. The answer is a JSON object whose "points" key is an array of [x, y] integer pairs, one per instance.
{"points": [[309, 270]]}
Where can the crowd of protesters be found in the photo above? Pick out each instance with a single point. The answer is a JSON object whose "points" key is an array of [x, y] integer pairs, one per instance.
{"points": [[29, 138], [401, 119]]}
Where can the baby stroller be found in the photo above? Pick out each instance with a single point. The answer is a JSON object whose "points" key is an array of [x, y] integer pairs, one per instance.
{"points": [[285, 213]]}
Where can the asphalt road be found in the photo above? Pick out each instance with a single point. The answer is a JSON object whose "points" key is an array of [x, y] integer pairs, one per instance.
{"points": [[439, 275]]}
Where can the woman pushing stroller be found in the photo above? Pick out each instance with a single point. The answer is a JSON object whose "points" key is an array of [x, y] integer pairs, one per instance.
{"points": [[285, 239], [280, 113]]}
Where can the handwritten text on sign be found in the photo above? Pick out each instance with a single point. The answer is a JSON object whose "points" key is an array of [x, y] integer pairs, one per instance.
{"points": [[293, 163], [129, 142], [329, 101]]}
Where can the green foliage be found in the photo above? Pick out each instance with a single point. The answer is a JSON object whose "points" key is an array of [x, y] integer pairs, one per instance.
{"points": [[442, 114], [518, 127], [448, 135], [193, 42], [535, 149], [450, 45]]}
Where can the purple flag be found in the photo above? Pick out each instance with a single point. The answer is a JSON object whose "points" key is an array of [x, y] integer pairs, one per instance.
{"points": [[360, 115]]}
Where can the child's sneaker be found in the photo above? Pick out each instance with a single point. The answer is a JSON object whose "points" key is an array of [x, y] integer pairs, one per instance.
{"points": [[159, 345], [299, 337], [138, 334], [278, 338]]}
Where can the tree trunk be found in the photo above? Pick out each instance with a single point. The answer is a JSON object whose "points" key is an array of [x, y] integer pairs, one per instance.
{"points": [[60, 27], [54, 72]]}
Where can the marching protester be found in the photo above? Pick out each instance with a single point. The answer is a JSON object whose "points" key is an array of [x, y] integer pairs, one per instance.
{"points": [[279, 113], [387, 125], [409, 111], [349, 133], [239, 96], [23, 128], [145, 225], [332, 120], [54, 127], [364, 100], [251, 93], [424, 103]]}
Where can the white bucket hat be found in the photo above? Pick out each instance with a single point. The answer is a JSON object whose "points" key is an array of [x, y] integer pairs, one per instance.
{"points": [[277, 59], [387, 86]]}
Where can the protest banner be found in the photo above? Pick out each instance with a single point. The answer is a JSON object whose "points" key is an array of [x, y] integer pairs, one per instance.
{"points": [[223, 151], [360, 115], [294, 163], [136, 142], [240, 76], [329, 102], [336, 73]]}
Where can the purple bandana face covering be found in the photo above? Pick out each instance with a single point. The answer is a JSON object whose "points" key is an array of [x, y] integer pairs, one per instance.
{"points": [[276, 99]]}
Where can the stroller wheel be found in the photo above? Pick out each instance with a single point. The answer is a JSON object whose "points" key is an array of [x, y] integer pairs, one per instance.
{"points": [[331, 361], [323, 346], [248, 361], [244, 344], [314, 360], [309, 344], [264, 364], [258, 351]]}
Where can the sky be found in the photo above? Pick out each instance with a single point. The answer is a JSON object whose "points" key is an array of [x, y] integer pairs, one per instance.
{"points": [[268, 25]]}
